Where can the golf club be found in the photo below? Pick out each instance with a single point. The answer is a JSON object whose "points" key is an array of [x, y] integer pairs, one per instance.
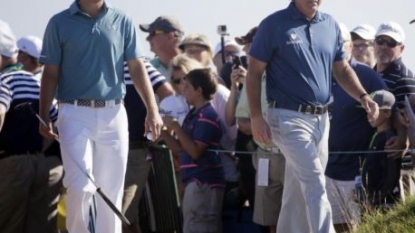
{"points": [[412, 21], [124, 220]]}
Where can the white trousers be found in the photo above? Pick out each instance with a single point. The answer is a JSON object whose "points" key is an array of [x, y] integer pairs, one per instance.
{"points": [[303, 140], [97, 140]]}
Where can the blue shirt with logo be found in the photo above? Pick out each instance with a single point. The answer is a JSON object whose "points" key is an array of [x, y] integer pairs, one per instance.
{"points": [[90, 52], [349, 128], [299, 55], [203, 125]]}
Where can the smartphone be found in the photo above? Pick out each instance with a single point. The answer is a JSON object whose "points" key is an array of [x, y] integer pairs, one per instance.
{"points": [[237, 61]]}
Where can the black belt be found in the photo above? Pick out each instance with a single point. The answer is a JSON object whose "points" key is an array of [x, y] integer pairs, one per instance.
{"points": [[307, 109], [92, 103]]}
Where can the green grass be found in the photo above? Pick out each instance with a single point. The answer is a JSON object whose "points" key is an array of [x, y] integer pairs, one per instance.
{"points": [[400, 219]]}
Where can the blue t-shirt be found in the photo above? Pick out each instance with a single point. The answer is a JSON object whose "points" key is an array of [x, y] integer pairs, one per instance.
{"points": [[349, 128], [90, 52], [203, 125], [299, 55]]}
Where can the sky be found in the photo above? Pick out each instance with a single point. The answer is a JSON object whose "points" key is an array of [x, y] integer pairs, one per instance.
{"points": [[30, 17]]}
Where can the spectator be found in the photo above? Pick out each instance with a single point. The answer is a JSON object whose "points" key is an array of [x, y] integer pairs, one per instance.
{"points": [[231, 50], [180, 67], [363, 37], [349, 132], [389, 47], [84, 69], [198, 47], [299, 56], [24, 204], [380, 173], [201, 168], [165, 35]]}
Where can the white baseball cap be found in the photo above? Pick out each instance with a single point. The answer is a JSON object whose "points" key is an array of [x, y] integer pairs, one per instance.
{"points": [[228, 42], [344, 31], [174, 106], [31, 45], [8, 46], [365, 31], [393, 30]]}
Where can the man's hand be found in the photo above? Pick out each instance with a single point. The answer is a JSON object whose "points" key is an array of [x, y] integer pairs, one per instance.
{"points": [[153, 124], [371, 108], [261, 131], [47, 130]]}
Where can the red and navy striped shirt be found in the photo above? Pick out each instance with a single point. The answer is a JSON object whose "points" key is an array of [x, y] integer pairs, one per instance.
{"points": [[203, 126]]}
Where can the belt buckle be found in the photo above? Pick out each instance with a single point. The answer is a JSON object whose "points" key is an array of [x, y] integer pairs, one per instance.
{"points": [[308, 110], [93, 104]]}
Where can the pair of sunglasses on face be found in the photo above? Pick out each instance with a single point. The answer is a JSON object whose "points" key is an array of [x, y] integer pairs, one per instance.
{"points": [[390, 43]]}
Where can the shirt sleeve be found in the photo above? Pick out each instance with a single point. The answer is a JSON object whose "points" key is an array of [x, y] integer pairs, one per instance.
{"points": [[51, 49], [131, 39]]}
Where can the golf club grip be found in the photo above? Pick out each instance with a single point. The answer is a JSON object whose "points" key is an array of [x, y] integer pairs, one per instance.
{"points": [[123, 219]]}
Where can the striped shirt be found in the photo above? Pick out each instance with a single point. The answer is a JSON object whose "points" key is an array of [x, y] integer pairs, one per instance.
{"points": [[136, 110], [399, 80], [156, 78], [20, 129]]}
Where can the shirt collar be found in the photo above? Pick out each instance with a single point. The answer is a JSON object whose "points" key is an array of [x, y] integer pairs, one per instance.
{"points": [[393, 67], [74, 8], [296, 14]]}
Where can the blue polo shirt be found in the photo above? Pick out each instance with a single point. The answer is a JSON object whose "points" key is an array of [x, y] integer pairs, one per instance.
{"points": [[203, 125], [90, 52], [349, 128], [299, 55]]}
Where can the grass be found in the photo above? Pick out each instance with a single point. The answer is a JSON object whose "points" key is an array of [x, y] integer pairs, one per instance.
{"points": [[400, 219]]}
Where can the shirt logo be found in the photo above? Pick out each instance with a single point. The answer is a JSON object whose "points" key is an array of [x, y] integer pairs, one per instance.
{"points": [[111, 27], [294, 39]]}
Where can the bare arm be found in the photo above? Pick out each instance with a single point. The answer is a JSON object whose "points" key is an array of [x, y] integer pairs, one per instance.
{"points": [[260, 128], [348, 80], [48, 87], [195, 149], [164, 90], [3, 112], [237, 76], [142, 84]]}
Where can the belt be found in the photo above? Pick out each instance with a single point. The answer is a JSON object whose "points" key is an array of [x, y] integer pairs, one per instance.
{"points": [[92, 103], [307, 109]]}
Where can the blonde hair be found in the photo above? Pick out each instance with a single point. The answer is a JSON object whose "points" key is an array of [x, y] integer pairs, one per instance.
{"points": [[184, 63]]}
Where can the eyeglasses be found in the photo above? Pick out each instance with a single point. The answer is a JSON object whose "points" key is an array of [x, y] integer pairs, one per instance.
{"points": [[156, 32], [390, 43], [177, 81], [363, 46]]}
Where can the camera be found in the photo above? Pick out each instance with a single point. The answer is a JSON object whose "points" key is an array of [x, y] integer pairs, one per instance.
{"points": [[236, 61], [222, 30]]}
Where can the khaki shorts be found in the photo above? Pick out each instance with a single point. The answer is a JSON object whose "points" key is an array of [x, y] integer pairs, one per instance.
{"points": [[268, 198], [342, 201]]}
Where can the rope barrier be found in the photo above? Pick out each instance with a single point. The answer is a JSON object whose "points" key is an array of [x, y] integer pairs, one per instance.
{"points": [[409, 151]]}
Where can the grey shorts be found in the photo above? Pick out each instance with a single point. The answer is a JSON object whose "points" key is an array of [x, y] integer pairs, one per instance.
{"points": [[202, 208]]}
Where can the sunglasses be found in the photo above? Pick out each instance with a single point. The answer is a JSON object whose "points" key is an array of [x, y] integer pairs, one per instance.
{"points": [[178, 81], [390, 43], [156, 32]]}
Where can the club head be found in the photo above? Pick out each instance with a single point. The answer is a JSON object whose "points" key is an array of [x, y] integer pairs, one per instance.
{"points": [[24, 105], [412, 21]]}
